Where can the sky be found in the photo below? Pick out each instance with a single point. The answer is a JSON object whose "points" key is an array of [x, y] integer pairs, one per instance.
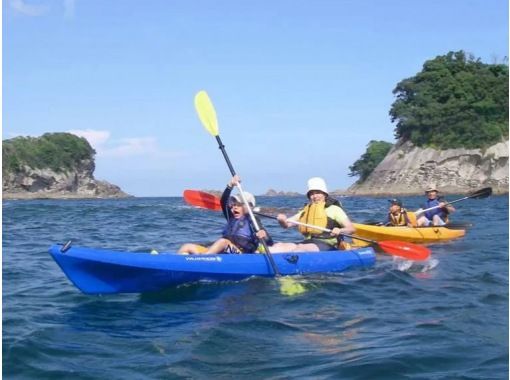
{"points": [[299, 87]]}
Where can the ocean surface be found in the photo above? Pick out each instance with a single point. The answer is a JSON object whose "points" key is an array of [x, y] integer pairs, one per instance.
{"points": [[446, 319]]}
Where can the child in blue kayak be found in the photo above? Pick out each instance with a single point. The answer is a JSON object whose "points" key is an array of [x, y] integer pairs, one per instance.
{"points": [[239, 234], [437, 216]]}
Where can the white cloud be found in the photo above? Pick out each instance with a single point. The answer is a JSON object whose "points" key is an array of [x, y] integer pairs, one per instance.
{"points": [[22, 7], [96, 138], [127, 147], [34, 10], [136, 146]]}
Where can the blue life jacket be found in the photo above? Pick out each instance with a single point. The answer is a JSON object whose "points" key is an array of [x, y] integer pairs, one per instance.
{"points": [[443, 214], [240, 232]]}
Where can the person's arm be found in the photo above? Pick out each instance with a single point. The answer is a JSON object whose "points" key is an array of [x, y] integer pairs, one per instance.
{"points": [[224, 201], [341, 218], [448, 208], [287, 222], [406, 218], [263, 234], [225, 197]]}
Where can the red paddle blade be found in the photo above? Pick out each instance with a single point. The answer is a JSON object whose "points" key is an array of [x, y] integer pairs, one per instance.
{"points": [[202, 199], [406, 250]]}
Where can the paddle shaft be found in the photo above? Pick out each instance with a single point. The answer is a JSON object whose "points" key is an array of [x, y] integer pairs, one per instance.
{"points": [[477, 194], [250, 212], [316, 227], [406, 250]]}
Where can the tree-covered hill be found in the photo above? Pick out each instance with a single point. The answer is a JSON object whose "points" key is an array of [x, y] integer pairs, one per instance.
{"points": [[57, 151], [456, 101]]}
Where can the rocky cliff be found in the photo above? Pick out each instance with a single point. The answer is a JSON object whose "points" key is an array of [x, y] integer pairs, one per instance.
{"points": [[58, 165], [408, 170], [79, 182]]}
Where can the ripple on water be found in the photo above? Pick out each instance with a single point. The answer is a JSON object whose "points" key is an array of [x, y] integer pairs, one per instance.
{"points": [[442, 319]]}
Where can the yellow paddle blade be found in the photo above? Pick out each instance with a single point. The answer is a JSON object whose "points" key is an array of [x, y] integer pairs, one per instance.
{"points": [[206, 112], [290, 287]]}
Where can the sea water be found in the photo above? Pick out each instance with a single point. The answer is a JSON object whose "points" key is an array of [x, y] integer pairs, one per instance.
{"points": [[444, 319]]}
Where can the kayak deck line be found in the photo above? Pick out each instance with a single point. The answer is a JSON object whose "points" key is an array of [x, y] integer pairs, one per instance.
{"points": [[103, 271]]}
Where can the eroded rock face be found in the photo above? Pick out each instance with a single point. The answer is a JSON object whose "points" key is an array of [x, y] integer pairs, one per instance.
{"points": [[46, 183], [408, 170]]}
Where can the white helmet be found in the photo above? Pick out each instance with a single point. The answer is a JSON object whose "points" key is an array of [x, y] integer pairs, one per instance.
{"points": [[317, 183], [248, 196]]}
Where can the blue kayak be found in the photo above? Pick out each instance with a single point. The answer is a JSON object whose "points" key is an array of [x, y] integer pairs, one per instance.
{"points": [[101, 271]]}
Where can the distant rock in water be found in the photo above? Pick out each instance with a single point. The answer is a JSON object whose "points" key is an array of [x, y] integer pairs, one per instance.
{"points": [[274, 193], [408, 170], [55, 165], [338, 193]]}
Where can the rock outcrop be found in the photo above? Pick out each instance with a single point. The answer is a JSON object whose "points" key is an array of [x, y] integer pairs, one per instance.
{"points": [[274, 193], [30, 183], [407, 170]]}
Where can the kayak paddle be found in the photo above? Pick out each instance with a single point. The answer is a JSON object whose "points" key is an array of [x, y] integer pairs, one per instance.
{"points": [[479, 194], [406, 250], [209, 201], [202, 199], [397, 248], [452, 226], [207, 116]]}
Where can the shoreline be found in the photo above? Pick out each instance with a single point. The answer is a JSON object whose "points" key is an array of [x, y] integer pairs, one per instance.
{"points": [[70, 196], [36, 196]]}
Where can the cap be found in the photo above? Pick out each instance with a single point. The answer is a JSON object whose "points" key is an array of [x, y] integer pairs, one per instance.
{"points": [[431, 187], [248, 196], [317, 183], [395, 201]]}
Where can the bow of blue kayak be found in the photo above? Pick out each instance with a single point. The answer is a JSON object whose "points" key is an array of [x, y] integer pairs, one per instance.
{"points": [[101, 271]]}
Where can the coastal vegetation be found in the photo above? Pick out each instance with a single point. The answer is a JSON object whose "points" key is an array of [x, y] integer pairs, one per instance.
{"points": [[57, 151], [455, 101], [375, 153]]}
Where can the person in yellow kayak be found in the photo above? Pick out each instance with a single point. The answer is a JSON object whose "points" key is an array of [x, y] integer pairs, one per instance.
{"points": [[438, 216], [322, 211], [397, 214], [238, 235]]}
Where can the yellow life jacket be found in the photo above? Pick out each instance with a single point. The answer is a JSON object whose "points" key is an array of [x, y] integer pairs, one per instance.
{"points": [[398, 220], [315, 214]]}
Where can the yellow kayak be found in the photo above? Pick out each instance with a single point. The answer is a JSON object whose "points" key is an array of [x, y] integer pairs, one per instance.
{"points": [[410, 234]]}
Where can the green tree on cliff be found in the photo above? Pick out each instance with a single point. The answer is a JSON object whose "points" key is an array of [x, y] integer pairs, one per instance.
{"points": [[57, 151], [375, 153], [455, 101]]}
